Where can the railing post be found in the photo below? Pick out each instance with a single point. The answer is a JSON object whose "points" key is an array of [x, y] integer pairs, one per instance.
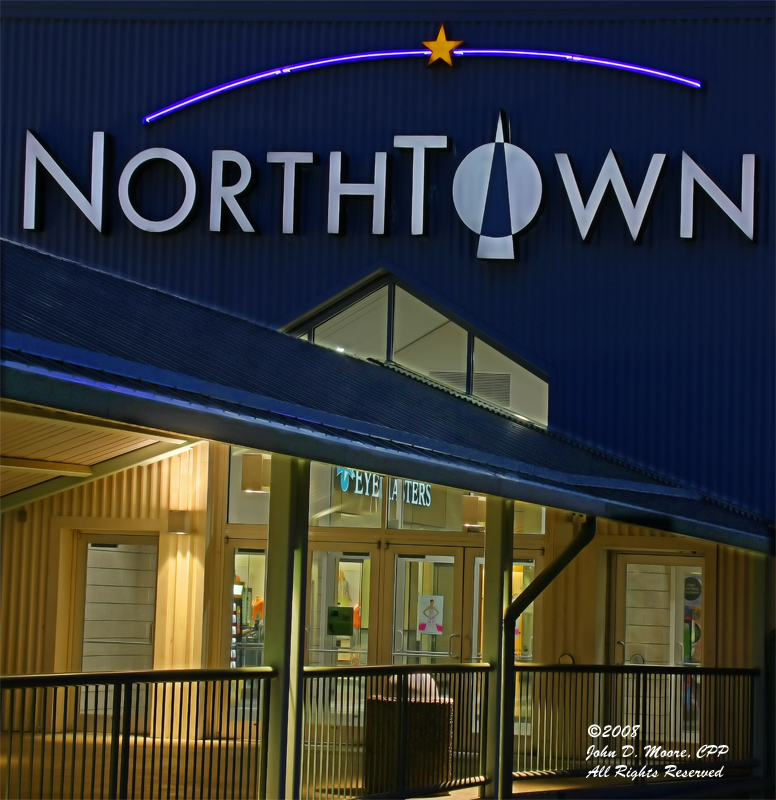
{"points": [[126, 728], [265, 689], [115, 737]]}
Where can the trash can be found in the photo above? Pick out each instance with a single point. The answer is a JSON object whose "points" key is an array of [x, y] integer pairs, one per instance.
{"points": [[423, 759]]}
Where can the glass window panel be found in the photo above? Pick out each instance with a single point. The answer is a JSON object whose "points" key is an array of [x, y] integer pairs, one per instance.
{"points": [[341, 497], [529, 518], [361, 329], [501, 381], [427, 342], [247, 508], [415, 505]]}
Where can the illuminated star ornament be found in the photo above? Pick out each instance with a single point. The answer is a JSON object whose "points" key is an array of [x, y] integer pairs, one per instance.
{"points": [[442, 47]]}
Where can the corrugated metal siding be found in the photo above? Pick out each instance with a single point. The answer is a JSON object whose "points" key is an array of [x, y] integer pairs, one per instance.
{"points": [[139, 493], [669, 338], [735, 596]]}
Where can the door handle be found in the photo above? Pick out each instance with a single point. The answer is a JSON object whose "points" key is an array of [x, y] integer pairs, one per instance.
{"points": [[471, 646], [450, 644], [619, 641], [400, 647], [681, 650]]}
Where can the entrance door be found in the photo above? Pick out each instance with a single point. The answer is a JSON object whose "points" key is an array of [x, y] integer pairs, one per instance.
{"points": [[659, 621], [342, 611], [523, 571], [423, 587], [116, 602], [659, 611], [247, 563]]}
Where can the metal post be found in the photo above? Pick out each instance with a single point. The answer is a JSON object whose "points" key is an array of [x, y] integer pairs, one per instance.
{"points": [[115, 738], [285, 613], [125, 742], [515, 609], [499, 536]]}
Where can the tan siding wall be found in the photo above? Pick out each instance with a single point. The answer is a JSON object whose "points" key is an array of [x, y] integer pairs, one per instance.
{"points": [[734, 607], [29, 578], [577, 606]]}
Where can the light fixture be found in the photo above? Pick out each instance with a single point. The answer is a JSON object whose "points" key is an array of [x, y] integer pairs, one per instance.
{"points": [[340, 349], [471, 512], [238, 589], [179, 522], [256, 473]]}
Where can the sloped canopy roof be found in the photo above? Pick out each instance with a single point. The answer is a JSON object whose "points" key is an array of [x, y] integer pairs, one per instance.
{"points": [[83, 341]]}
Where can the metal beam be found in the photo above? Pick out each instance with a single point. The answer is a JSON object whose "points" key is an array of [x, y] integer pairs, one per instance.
{"points": [[22, 410], [137, 458], [55, 467]]}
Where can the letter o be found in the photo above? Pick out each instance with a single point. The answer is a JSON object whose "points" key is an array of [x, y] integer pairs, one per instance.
{"points": [[190, 197]]}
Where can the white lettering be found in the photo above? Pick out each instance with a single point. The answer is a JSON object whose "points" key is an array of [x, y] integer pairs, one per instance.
{"points": [[36, 154], [393, 489], [692, 174], [228, 194], [610, 174], [419, 145], [190, 196], [415, 485], [289, 162], [375, 190], [428, 495], [359, 484]]}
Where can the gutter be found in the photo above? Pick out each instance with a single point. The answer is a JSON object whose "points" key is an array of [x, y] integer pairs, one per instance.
{"points": [[512, 612]]}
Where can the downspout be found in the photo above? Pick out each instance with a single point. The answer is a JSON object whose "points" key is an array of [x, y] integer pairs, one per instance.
{"points": [[513, 611]]}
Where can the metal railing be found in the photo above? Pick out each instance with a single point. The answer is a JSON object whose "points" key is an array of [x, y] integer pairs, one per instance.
{"points": [[369, 731], [181, 734], [570, 719]]}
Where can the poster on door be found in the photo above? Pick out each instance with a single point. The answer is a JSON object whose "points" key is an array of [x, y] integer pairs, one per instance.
{"points": [[430, 614]]}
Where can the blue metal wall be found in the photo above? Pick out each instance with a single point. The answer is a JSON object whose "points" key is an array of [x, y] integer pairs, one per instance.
{"points": [[661, 352]]}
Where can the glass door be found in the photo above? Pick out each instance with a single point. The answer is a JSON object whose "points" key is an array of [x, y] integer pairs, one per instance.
{"points": [[659, 611], [342, 594], [117, 598], [523, 570], [424, 589], [246, 647], [659, 621]]}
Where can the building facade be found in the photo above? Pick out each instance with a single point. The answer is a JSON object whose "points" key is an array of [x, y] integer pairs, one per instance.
{"points": [[388, 282]]}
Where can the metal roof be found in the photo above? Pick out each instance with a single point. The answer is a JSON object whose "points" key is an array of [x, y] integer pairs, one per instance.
{"points": [[84, 341]]}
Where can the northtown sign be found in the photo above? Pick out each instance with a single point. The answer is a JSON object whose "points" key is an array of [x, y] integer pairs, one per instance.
{"points": [[497, 189]]}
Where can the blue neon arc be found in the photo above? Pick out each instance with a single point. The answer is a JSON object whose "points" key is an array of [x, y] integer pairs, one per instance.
{"points": [[354, 57]]}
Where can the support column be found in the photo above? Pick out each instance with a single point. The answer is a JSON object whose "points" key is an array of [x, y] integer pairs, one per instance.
{"points": [[499, 534], [285, 600]]}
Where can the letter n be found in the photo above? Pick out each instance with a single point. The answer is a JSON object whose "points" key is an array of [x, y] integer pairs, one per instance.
{"points": [[743, 217], [36, 154]]}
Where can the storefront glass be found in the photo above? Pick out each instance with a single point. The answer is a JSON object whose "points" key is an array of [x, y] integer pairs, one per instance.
{"points": [[341, 497], [415, 505], [249, 474]]}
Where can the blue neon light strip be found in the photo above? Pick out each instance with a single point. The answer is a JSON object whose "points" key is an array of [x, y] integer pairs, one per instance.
{"points": [[355, 57]]}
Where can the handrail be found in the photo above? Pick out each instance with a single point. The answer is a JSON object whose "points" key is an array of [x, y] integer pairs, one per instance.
{"points": [[401, 669], [52, 679], [634, 669]]}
